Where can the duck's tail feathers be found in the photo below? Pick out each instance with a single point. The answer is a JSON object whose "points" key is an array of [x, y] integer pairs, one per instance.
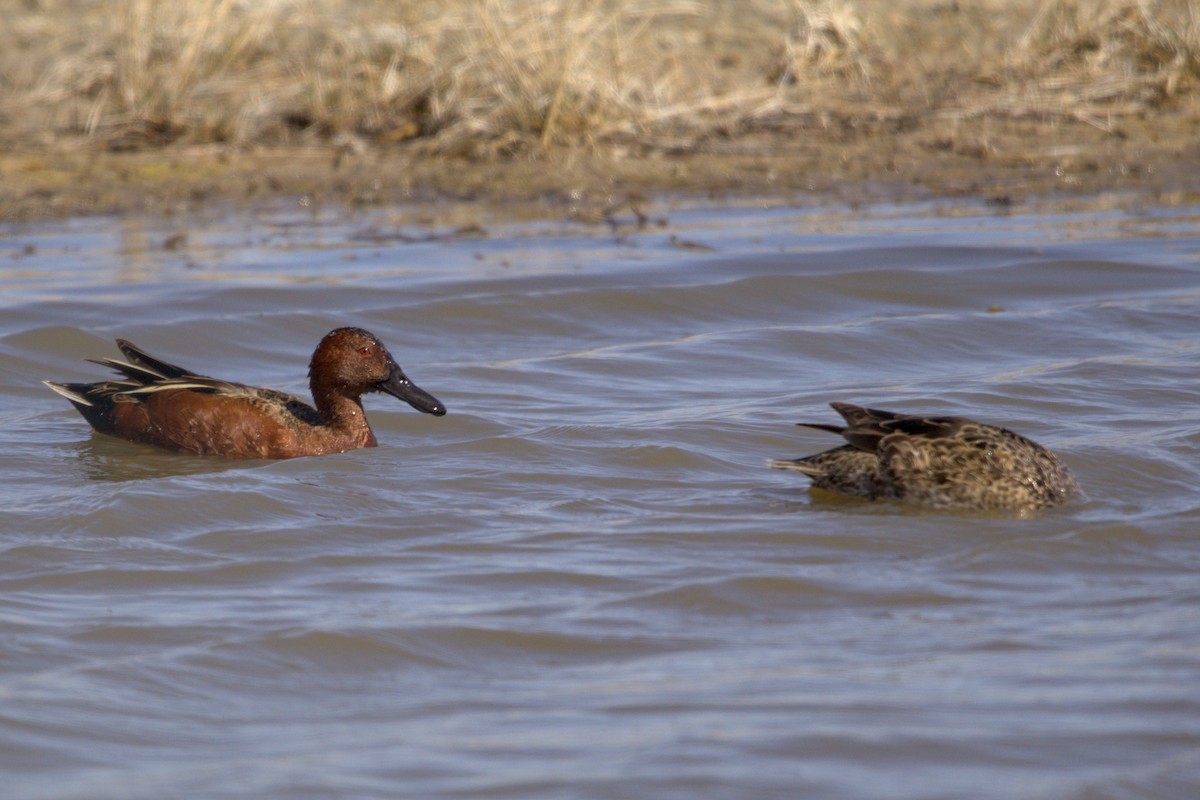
{"points": [[798, 464], [75, 392]]}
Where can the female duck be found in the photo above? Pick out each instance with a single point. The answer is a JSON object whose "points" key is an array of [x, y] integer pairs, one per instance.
{"points": [[938, 462], [161, 404]]}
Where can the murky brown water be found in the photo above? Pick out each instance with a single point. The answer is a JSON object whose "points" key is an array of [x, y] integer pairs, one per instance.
{"points": [[584, 581]]}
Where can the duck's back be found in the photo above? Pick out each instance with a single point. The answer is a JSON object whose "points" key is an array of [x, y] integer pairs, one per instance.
{"points": [[974, 466]]}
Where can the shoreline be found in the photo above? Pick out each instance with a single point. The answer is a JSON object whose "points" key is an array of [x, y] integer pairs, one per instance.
{"points": [[1036, 162]]}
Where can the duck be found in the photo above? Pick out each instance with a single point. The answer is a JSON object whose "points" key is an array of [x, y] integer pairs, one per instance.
{"points": [[944, 463], [170, 407]]}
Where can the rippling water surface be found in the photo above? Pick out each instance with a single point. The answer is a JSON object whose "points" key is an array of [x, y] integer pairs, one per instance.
{"points": [[584, 581]]}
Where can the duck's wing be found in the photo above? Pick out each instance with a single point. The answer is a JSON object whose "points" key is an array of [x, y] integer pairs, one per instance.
{"points": [[146, 362], [141, 374], [144, 374], [142, 369], [148, 375], [854, 416], [866, 427]]}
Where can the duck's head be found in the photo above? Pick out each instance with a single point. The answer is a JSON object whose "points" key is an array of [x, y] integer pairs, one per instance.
{"points": [[352, 362]]}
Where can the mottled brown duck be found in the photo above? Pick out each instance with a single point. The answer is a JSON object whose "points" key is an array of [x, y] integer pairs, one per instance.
{"points": [[948, 463]]}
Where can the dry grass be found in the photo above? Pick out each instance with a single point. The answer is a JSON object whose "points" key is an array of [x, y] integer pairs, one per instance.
{"points": [[1096, 61], [503, 78]]}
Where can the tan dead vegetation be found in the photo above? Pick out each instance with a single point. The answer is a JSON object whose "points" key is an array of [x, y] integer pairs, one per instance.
{"points": [[498, 78], [1097, 62]]}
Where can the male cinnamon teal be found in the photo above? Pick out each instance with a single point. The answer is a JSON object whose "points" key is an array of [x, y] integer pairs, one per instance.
{"points": [[938, 462], [161, 404]]}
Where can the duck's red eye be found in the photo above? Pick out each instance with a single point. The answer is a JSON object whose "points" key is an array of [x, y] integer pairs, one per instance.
{"points": [[366, 351]]}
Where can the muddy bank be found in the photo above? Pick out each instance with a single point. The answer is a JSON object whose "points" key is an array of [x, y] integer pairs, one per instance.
{"points": [[1002, 163]]}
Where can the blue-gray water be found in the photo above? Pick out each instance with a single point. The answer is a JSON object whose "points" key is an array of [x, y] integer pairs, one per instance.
{"points": [[584, 582]]}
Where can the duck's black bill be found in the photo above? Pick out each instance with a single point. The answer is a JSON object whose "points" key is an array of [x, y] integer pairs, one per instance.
{"points": [[398, 385]]}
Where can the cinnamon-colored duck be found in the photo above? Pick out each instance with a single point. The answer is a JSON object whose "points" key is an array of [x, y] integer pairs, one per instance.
{"points": [[161, 404]]}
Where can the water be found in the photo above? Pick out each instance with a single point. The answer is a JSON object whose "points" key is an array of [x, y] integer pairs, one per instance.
{"points": [[584, 581]]}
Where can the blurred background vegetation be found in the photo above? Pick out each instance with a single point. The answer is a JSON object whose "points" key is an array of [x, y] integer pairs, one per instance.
{"points": [[504, 78]]}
